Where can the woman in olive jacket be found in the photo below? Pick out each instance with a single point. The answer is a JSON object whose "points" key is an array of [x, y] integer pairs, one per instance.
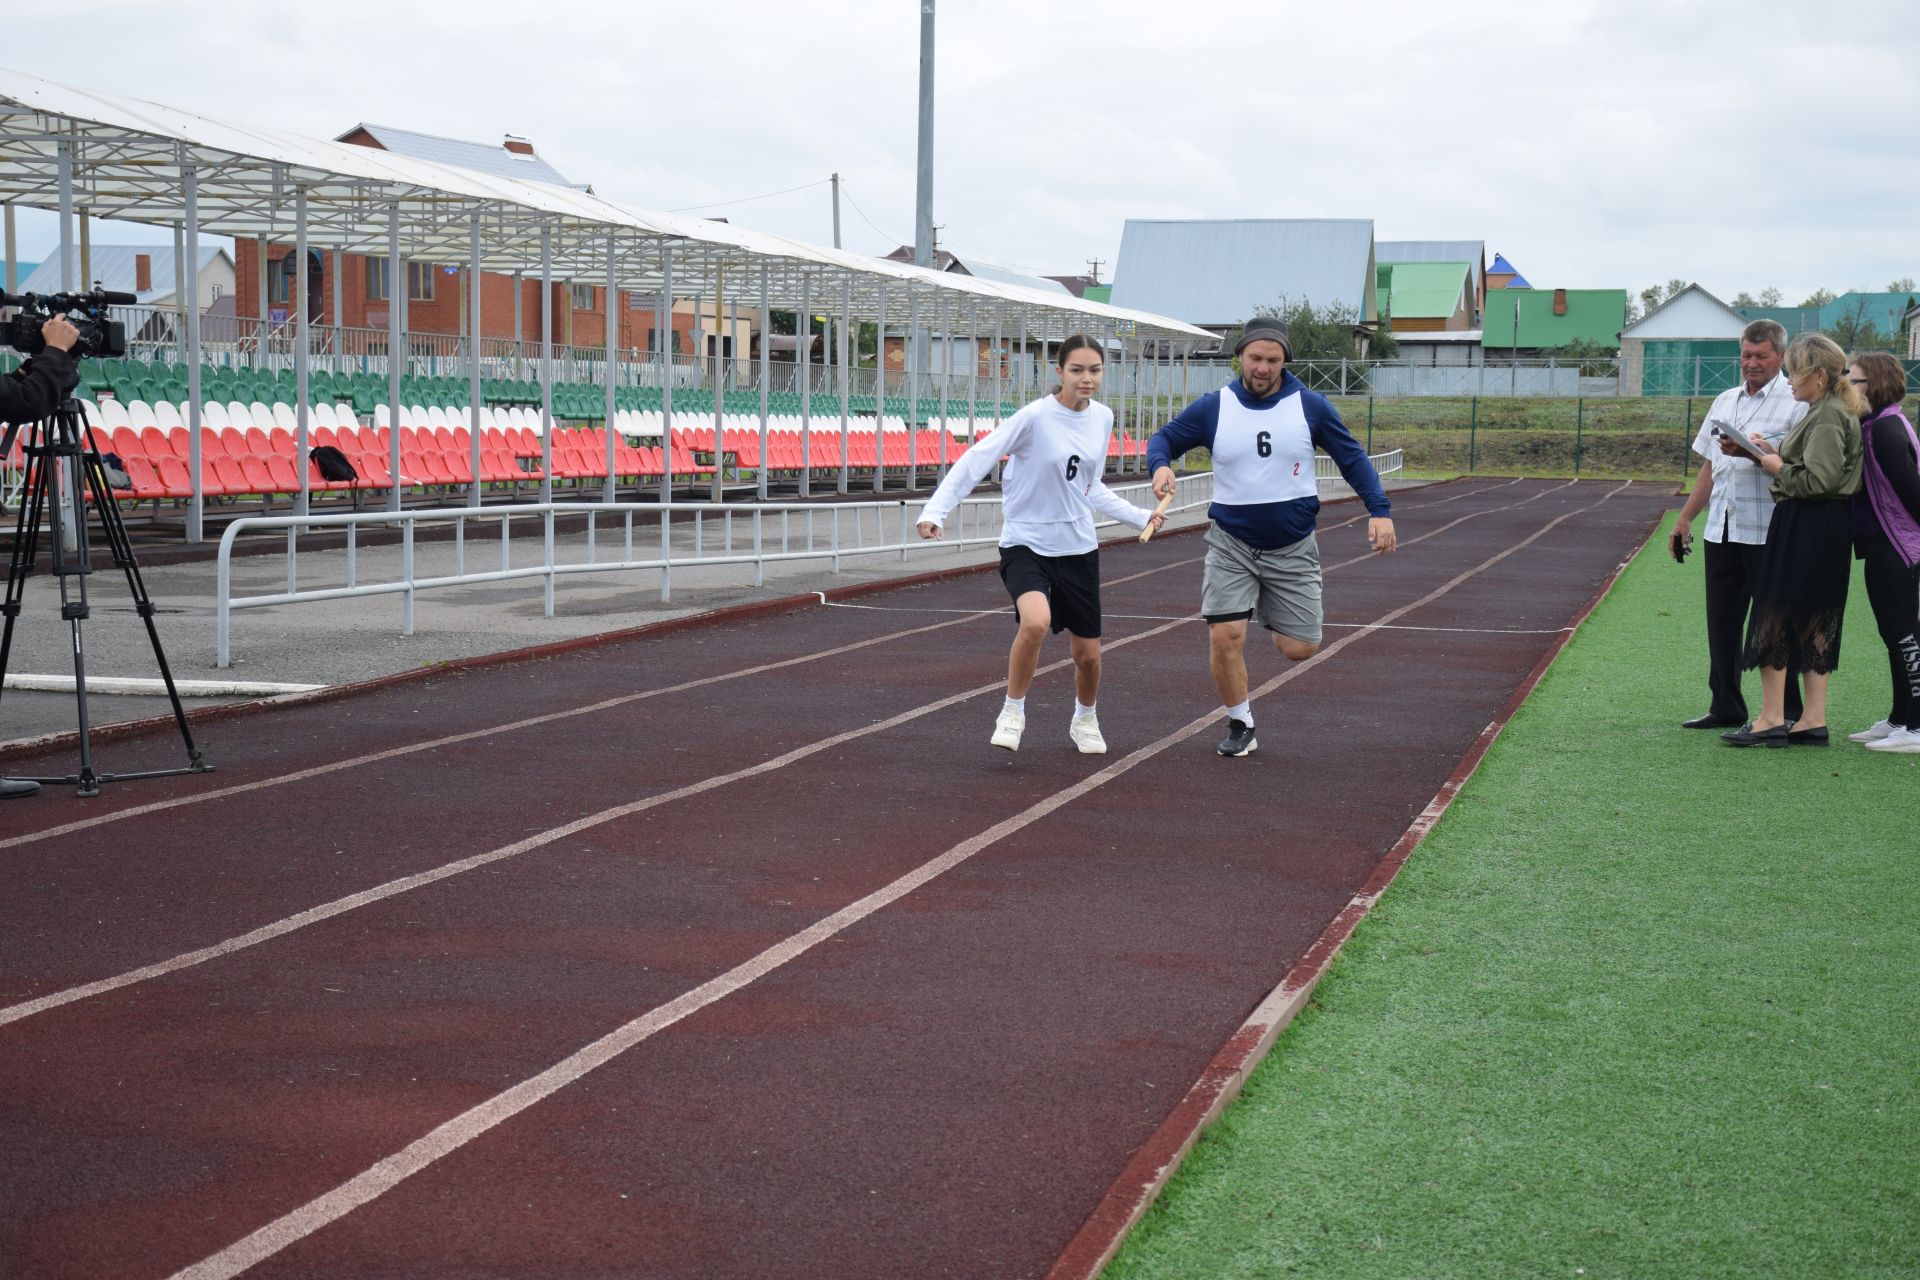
{"points": [[1800, 596]]}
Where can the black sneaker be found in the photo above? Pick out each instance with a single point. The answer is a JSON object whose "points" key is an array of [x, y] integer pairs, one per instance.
{"points": [[1239, 740]]}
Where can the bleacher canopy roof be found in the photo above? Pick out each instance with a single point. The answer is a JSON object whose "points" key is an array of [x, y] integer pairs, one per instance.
{"points": [[130, 157]]}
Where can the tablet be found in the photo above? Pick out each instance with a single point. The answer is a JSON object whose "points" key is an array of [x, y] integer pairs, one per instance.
{"points": [[1740, 442]]}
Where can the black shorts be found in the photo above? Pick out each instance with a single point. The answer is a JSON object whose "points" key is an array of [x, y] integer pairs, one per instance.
{"points": [[1071, 585]]}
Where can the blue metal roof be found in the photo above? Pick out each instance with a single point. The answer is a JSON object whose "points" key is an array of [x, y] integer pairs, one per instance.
{"points": [[1217, 273], [113, 266]]}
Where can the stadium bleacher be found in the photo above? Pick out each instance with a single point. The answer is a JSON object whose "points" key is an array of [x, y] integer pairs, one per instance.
{"points": [[248, 425]]}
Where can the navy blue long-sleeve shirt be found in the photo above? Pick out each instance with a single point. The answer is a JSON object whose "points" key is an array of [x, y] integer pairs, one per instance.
{"points": [[1269, 525]]}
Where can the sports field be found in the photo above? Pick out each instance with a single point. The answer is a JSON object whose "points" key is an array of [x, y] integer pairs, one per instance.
{"points": [[1641, 1005]]}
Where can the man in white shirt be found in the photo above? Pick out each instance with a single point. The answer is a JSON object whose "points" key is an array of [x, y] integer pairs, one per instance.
{"points": [[1738, 499]]}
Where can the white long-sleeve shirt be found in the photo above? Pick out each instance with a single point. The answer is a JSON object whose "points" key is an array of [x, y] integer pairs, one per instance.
{"points": [[1052, 483]]}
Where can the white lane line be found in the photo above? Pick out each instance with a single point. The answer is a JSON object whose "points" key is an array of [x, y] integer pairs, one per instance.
{"points": [[1169, 617], [340, 906], [318, 771], [140, 686], [475, 1122], [303, 775]]}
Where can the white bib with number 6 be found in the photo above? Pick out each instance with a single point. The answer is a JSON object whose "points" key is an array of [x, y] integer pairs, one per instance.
{"points": [[1263, 455]]}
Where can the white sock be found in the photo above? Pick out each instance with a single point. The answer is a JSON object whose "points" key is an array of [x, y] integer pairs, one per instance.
{"points": [[1243, 713], [1080, 712], [1016, 704]]}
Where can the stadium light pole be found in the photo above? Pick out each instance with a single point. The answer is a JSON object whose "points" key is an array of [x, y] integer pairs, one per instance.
{"points": [[916, 339]]}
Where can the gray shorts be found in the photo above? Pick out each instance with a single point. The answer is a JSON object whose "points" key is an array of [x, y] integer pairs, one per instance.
{"points": [[1282, 587]]}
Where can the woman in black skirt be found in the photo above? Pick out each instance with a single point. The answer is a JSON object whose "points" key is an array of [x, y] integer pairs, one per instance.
{"points": [[1800, 595]]}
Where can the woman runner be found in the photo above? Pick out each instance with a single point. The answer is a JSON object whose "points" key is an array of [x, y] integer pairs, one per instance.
{"points": [[1056, 451]]}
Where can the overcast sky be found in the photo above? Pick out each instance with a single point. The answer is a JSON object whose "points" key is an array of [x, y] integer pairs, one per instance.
{"points": [[1595, 144]]}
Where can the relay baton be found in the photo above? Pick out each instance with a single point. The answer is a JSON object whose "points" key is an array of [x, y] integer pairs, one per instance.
{"points": [[1159, 511]]}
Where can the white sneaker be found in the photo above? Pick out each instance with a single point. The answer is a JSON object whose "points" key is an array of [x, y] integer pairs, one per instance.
{"points": [[1903, 741], [1872, 733], [1008, 728], [1085, 732]]}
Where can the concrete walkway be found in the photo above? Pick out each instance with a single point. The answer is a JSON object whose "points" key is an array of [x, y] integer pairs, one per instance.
{"points": [[343, 641]]}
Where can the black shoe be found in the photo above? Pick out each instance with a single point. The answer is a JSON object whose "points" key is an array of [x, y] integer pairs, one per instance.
{"points": [[1239, 740], [1808, 737], [1744, 736], [11, 787], [1710, 721]]}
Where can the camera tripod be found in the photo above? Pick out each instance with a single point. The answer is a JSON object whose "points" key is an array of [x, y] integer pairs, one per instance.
{"points": [[63, 472]]}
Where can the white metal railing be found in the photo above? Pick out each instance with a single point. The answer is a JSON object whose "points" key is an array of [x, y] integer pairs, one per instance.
{"points": [[774, 532], [795, 530]]}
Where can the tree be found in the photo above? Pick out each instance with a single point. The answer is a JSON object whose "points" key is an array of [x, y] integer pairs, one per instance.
{"points": [[1744, 299], [1327, 333], [1676, 287], [1819, 298], [1596, 359], [1903, 285], [1770, 297], [1650, 299], [1854, 331]]}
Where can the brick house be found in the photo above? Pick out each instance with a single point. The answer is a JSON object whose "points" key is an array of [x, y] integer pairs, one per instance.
{"points": [[437, 294]]}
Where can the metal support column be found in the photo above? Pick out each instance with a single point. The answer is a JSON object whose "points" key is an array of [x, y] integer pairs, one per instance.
{"points": [[880, 389], [910, 359], [766, 376], [804, 354], [474, 401], [720, 337], [63, 178], [946, 375], [613, 319], [395, 360], [260, 295], [664, 340], [302, 357], [180, 298], [546, 364], [973, 367], [196, 505], [846, 381]]}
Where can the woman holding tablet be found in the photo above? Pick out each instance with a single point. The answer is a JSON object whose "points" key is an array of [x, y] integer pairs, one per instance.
{"points": [[1800, 595]]}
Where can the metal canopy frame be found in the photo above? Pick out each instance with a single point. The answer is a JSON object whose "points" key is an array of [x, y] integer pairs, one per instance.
{"points": [[130, 159]]}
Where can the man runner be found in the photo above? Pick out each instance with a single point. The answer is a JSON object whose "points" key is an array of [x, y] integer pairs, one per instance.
{"points": [[1261, 555]]}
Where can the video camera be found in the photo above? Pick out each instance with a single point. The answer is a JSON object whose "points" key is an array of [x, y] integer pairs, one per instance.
{"points": [[87, 312]]}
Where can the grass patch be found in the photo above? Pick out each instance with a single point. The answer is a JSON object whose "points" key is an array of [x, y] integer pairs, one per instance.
{"points": [[1647, 438], [1641, 1006]]}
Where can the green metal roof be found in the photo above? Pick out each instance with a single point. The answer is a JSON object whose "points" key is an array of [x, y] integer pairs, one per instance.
{"points": [[1421, 290], [1883, 310], [1593, 315]]}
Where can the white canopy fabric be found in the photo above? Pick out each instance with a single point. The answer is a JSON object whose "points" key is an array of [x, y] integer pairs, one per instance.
{"points": [[130, 158]]}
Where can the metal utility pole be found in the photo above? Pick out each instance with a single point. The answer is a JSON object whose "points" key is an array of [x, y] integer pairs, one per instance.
{"points": [[923, 188], [836, 211]]}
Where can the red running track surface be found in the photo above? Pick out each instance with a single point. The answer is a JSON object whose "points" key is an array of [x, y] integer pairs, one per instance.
{"points": [[731, 950]]}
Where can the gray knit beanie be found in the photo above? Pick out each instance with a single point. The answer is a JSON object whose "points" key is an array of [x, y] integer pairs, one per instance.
{"points": [[1264, 329]]}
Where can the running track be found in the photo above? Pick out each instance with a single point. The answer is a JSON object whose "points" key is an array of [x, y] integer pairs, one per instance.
{"points": [[725, 950]]}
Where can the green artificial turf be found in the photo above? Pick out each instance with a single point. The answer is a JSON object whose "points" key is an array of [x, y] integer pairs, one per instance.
{"points": [[1643, 1005]]}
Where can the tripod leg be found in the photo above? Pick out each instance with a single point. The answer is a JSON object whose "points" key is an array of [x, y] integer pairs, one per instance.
{"points": [[121, 546], [26, 537]]}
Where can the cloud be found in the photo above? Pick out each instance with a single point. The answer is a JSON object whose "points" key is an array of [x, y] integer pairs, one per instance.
{"points": [[1596, 144]]}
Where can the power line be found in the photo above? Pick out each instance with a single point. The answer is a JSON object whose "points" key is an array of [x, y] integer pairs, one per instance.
{"points": [[863, 214], [722, 204]]}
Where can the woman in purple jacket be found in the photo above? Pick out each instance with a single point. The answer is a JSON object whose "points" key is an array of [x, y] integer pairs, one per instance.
{"points": [[1886, 535]]}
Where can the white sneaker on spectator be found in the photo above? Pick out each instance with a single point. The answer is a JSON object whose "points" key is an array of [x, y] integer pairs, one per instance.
{"points": [[1008, 728], [1085, 732], [1872, 733], [1903, 741]]}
